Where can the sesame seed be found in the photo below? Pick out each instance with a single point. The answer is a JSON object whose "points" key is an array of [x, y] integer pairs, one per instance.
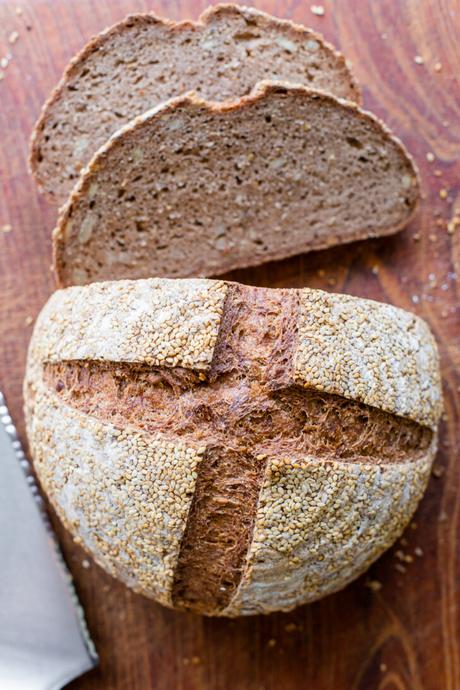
{"points": [[290, 627], [318, 10], [373, 585], [453, 224]]}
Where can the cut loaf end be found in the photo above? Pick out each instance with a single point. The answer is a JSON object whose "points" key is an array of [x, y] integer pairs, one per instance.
{"points": [[198, 188], [145, 60]]}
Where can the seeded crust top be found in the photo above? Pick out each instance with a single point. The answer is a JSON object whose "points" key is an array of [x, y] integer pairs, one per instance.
{"points": [[156, 322], [360, 349], [319, 526], [371, 352], [126, 493]]}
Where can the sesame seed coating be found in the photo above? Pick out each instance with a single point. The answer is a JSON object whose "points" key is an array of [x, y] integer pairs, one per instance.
{"points": [[371, 352], [126, 492], [157, 322], [123, 494], [319, 525]]}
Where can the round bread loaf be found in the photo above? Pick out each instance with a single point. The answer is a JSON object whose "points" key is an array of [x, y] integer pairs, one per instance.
{"points": [[226, 449]]}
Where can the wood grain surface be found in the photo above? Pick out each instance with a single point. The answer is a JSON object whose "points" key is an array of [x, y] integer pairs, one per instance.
{"points": [[398, 628]]}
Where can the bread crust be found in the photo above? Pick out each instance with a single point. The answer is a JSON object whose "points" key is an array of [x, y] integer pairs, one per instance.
{"points": [[89, 489], [335, 538], [318, 522], [263, 90], [209, 15]]}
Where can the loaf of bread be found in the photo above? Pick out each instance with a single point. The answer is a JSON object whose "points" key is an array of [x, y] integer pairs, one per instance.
{"points": [[145, 60], [196, 189], [227, 449]]}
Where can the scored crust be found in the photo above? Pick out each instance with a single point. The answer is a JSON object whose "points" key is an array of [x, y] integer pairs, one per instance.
{"points": [[369, 351], [319, 526], [138, 494], [288, 37], [124, 495], [173, 323], [76, 234]]}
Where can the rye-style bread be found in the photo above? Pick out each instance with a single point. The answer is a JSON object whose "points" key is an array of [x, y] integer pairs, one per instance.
{"points": [[145, 60], [226, 449], [196, 189]]}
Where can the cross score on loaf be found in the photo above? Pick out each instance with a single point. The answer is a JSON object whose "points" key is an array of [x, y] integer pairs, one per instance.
{"points": [[227, 449]]}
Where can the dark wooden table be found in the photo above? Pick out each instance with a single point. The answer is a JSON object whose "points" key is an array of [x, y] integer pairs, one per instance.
{"points": [[403, 633]]}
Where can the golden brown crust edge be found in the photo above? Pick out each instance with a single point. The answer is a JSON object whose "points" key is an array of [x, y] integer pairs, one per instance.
{"points": [[204, 19], [262, 90]]}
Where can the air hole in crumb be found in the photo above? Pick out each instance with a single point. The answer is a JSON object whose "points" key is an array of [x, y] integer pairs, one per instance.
{"points": [[355, 143]]}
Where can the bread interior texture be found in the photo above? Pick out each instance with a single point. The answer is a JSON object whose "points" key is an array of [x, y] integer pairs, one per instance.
{"points": [[145, 61], [200, 190]]}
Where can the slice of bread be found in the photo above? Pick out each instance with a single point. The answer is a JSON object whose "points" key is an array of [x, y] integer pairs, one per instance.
{"points": [[196, 188], [145, 60]]}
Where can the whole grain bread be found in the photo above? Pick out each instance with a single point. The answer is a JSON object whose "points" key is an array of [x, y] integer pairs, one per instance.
{"points": [[145, 60], [227, 449], [195, 188]]}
